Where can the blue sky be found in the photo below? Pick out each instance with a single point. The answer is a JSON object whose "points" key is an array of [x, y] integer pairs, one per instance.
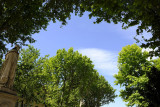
{"points": [[101, 42]]}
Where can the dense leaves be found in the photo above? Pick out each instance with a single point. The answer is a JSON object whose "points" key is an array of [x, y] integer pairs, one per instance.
{"points": [[131, 62], [100, 93], [19, 19], [28, 82], [65, 80], [144, 14], [138, 76], [152, 88]]}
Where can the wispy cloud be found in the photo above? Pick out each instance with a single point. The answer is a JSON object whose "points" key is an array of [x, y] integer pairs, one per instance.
{"points": [[105, 61]]}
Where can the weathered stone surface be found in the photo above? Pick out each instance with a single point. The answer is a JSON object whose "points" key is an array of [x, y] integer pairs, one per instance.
{"points": [[8, 98], [7, 72]]}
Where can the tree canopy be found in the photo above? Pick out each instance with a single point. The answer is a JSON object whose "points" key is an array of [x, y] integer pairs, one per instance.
{"points": [[139, 77], [67, 79], [21, 18], [29, 81], [144, 14]]}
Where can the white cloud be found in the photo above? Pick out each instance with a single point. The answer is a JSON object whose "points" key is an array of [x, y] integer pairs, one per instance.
{"points": [[149, 49], [105, 61]]}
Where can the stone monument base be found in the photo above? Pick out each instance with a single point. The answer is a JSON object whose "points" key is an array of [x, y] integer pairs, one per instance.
{"points": [[8, 97]]}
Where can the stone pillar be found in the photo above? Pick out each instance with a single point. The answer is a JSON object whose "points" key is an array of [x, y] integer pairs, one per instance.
{"points": [[8, 98]]}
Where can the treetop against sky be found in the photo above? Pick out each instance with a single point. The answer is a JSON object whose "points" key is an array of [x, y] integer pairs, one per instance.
{"points": [[23, 21]]}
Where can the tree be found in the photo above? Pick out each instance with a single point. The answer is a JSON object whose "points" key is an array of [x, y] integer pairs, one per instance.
{"points": [[30, 80], [62, 80], [20, 19], [100, 93], [138, 76], [151, 91], [131, 60], [77, 80], [144, 14]]}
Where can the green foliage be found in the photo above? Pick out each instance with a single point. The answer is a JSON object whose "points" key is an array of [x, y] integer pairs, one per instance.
{"points": [[100, 93], [63, 80], [28, 82], [152, 88], [144, 14], [20, 19], [76, 79], [138, 76]]}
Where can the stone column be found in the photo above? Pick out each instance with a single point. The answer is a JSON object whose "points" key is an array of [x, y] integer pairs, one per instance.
{"points": [[8, 98]]}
